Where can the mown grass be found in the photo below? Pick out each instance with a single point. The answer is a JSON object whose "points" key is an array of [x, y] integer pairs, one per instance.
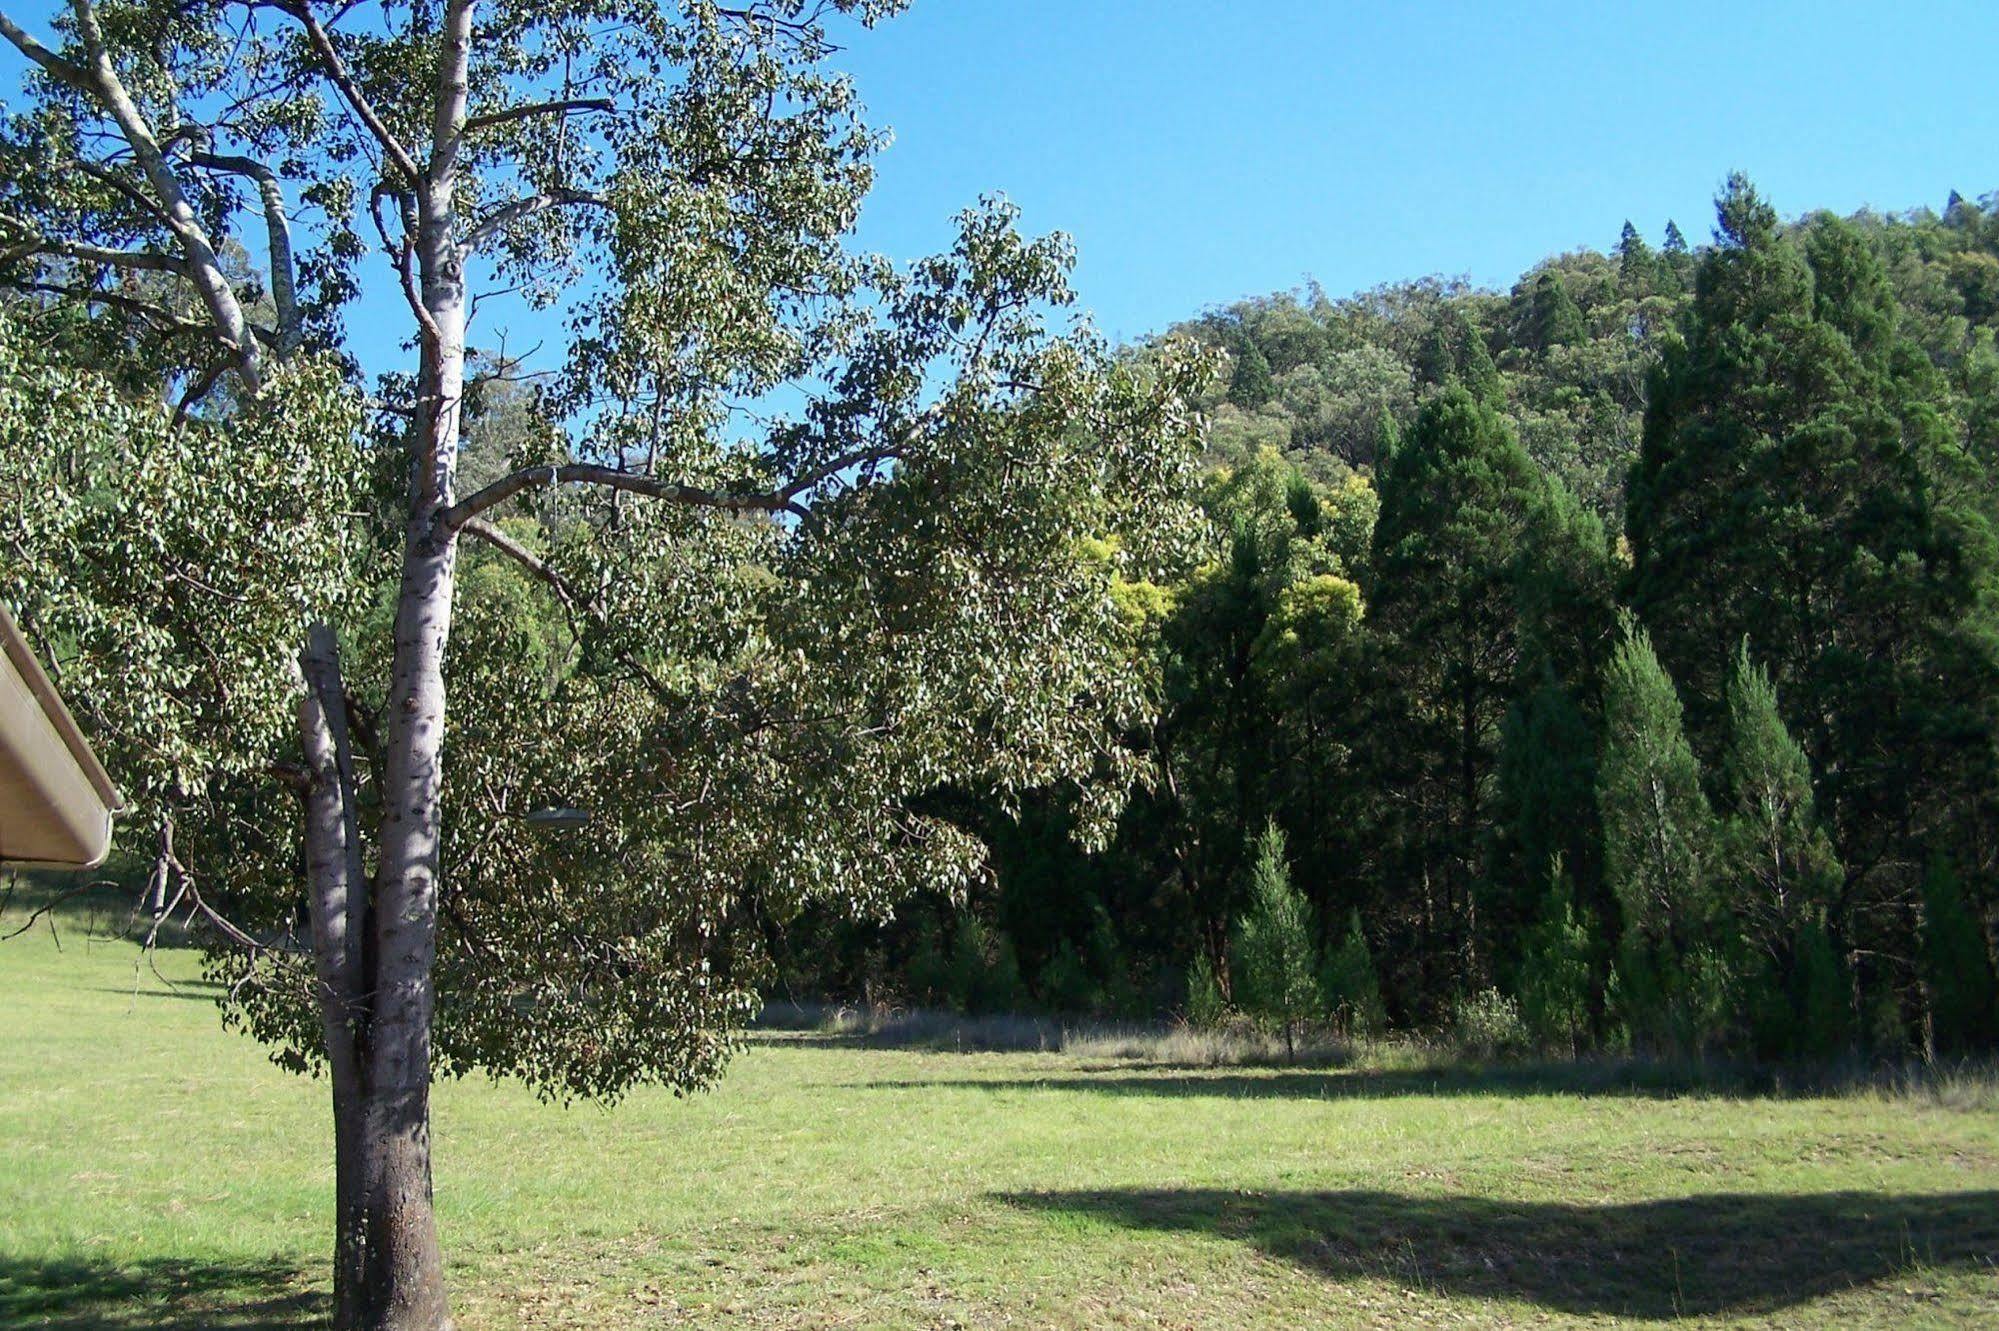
{"points": [[156, 1172]]}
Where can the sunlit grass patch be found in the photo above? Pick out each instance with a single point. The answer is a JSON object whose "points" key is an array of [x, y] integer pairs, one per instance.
{"points": [[159, 1172]]}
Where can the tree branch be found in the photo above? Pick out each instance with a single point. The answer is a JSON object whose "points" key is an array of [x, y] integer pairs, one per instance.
{"points": [[526, 558], [284, 288], [67, 71], [350, 91], [784, 499], [202, 267], [149, 261], [560, 107], [535, 478], [507, 214]]}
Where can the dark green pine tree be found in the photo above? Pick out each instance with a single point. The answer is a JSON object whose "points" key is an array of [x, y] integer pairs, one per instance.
{"points": [[1784, 867], [1565, 586], [1676, 262], [1250, 384], [1554, 980], [1454, 503], [1553, 317], [1787, 488], [1565, 593], [1658, 848], [1455, 352], [1637, 266], [1544, 812], [1275, 966], [1783, 878], [1961, 996], [1351, 987]]}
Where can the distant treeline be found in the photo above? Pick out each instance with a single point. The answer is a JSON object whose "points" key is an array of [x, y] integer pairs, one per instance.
{"points": [[1611, 660]]}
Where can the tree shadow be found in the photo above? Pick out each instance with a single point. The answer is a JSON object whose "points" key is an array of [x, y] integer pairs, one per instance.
{"points": [[199, 991], [72, 1294], [1631, 1079], [1686, 1256]]}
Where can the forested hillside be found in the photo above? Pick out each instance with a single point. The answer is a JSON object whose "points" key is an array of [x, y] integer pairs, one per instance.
{"points": [[1623, 643]]}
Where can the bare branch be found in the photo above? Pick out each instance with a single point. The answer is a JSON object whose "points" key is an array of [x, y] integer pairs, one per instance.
{"points": [[535, 478], [140, 260], [784, 499], [526, 558], [507, 214], [73, 74], [165, 320], [350, 91], [560, 107], [564, 594], [203, 384], [284, 290], [113, 180]]}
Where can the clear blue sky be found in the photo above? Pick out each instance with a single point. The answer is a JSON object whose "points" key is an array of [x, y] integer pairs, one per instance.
{"points": [[1201, 151]]}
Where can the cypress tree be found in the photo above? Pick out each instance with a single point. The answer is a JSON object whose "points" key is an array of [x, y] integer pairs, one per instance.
{"points": [[1350, 985], [1554, 319], [1676, 262], [1555, 968], [1455, 351], [1784, 876], [1250, 384], [1206, 1008], [1784, 863], [1957, 974], [1274, 944], [1637, 266], [1794, 484], [1658, 833], [1544, 813], [1453, 507]]}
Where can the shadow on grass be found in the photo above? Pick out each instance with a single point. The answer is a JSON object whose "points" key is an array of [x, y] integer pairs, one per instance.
{"points": [[72, 1294], [1689, 1256], [150, 986], [1630, 1078]]}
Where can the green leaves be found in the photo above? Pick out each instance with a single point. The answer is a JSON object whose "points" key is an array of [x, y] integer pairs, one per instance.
{"points": [[167, 570], [1658, 832]]}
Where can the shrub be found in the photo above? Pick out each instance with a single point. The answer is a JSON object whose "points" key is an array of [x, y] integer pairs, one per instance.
{"points": [[1206, 1008], [1488, 1024], [1066, 985]]}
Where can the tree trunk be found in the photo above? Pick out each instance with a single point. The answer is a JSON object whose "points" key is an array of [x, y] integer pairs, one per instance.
{"points": [[404, 1272], [376, 962]]}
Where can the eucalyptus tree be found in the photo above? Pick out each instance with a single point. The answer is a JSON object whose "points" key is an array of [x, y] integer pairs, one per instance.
{"points": [[821, 537]]}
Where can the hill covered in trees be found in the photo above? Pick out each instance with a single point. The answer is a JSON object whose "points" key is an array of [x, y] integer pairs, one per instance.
{"points": [[1615, 654]]}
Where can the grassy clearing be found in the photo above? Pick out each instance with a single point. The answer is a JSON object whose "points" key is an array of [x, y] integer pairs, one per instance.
{"points": [[157, 1172]]}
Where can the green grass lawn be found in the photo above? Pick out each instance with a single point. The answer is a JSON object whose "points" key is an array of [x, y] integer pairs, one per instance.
{"points": [[155, 1171]]}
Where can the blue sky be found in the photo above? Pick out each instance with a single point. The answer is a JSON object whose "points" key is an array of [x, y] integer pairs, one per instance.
{"points": [[1201, 151]]}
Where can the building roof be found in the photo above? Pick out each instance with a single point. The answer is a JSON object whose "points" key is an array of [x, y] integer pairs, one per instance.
{"points": [[56, 799]]}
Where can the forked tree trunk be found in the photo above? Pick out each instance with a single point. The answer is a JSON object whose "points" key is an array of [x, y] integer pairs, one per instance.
{"points": [[376, 939]]}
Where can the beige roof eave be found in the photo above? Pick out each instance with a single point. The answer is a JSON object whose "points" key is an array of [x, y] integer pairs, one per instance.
{"points": [[56, 799]]}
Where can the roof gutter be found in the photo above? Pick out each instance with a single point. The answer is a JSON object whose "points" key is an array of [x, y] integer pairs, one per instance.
{"points": [[56, 799]]}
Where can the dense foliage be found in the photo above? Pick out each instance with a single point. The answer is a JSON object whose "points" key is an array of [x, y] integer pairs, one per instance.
{"points": [[1616, 654]]}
